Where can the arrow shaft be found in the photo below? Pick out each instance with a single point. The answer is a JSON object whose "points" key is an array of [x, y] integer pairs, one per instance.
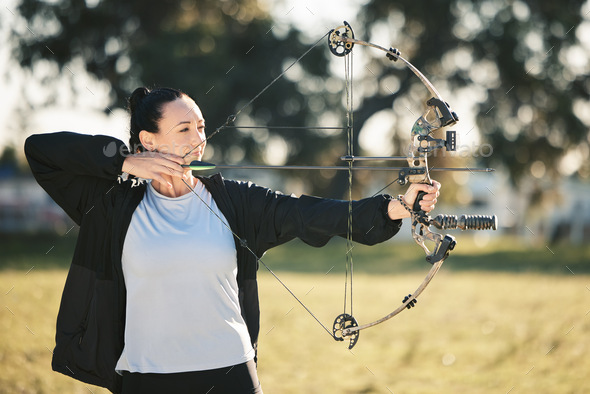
{"points": [[337, 168]]}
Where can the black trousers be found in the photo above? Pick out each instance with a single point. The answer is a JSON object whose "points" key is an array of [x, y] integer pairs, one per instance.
{"points": [[239, 379]]}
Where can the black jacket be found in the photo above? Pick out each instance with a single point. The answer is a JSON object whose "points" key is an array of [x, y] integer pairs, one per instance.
{"points": [[82, 174]]}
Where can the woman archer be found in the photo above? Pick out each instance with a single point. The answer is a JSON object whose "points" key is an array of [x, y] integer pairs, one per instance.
{"points": [[161, 295]]}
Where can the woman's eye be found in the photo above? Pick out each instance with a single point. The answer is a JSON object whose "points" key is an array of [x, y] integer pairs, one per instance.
{"points": [[184, 130]]}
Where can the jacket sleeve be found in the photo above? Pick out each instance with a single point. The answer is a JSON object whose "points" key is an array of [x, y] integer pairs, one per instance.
{"points": [[75, 169], [278, 218]]}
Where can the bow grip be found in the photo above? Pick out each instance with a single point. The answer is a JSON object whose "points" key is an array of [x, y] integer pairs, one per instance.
{"points": [[416, 207]]}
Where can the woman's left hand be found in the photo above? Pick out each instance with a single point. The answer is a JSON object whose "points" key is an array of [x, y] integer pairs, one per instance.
{"points": [[397, 211], [428, 200]]}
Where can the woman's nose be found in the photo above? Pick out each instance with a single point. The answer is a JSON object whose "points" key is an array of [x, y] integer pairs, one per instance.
{"points": [[197, 138]]}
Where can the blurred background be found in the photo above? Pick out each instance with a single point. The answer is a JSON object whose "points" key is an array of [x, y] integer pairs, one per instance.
{"points": [[515, 71]]}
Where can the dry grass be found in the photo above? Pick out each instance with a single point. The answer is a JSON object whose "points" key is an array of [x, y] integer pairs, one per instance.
{"points": [[471, 332], [31, 301]]}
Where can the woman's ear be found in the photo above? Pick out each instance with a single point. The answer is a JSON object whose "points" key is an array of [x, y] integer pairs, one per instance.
{"points": [[147, 140]]}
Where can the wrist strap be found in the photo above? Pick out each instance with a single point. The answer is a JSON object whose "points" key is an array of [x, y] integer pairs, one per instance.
{"points": [[400, 198]]}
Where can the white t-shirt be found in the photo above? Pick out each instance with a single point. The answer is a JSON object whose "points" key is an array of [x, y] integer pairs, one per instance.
{"points": [[179, 263]]}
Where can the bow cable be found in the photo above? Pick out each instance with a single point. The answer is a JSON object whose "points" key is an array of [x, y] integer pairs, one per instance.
{"points": [[350, 151]]}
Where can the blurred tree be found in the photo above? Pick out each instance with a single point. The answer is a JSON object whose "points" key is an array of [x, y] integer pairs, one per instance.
{"points": [[521, 62], [8, 161], [525, 65], [10, 165], [221, 53]]}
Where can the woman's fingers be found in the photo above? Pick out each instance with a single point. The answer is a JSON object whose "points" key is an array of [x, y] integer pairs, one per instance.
{"points": [[428, 205], [428, 200], [170, 166], [154, 165], [172, 157]]}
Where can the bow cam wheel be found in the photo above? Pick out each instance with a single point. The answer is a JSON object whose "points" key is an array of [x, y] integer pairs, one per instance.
{"points": [[343, 322]]}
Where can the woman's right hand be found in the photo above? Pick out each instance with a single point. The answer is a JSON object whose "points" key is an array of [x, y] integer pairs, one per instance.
{"points": [[154, 165]]}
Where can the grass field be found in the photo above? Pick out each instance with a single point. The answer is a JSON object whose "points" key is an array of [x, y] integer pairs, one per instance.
{"points": [[502, 319]]}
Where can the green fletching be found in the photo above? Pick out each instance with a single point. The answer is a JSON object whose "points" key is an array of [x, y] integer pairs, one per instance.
{"points": [[197, 165]]}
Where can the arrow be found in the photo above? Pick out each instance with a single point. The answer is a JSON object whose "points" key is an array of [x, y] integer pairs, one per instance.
{"points": [[197, 165]]}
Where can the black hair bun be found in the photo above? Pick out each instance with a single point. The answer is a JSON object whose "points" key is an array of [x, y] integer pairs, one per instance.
{"points": [[136, 97]]}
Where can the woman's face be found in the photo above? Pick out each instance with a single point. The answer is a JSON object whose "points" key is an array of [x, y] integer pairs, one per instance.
{"points": [[181, 130]]}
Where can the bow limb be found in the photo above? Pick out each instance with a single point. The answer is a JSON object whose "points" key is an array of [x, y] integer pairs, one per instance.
{"points": [[395, 54], [346, 40], [433, 271]]}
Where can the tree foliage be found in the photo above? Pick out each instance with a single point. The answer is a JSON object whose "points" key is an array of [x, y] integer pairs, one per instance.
{"points": [[221, 53], [513, 57], [523, 59]]}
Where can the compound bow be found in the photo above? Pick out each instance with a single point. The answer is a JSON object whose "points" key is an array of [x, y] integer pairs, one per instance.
{"points": [[437, 115]]}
